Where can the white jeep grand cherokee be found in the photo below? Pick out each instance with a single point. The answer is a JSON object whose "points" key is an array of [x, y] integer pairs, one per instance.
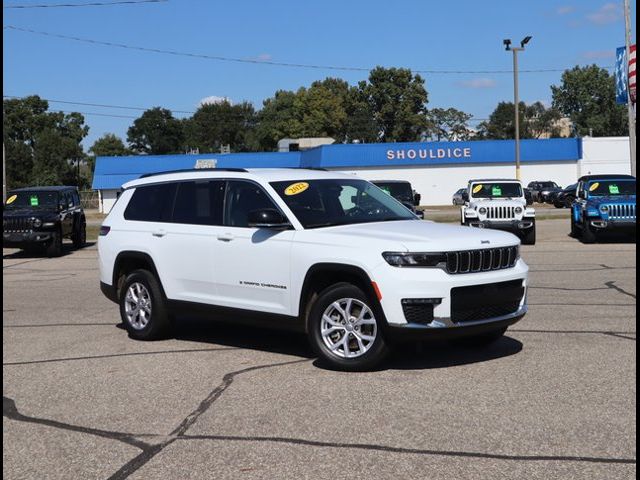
{"points": [[325, 252]]}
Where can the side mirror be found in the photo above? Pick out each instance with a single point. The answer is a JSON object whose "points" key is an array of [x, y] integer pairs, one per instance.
{"points": [[581, 194], [465, 196], [416, 199], [267, 218], [61, 206]]}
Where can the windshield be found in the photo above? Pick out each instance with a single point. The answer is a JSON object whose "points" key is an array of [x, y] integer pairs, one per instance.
{"points": [[606, 188], [549, 185], [31, 199], [398, 190], [325, 203], [496, 190]]}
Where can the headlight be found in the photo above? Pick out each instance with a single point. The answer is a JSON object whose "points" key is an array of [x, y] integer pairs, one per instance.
{"points": [[400, 259], [37, 222], [518, 210], [482, 210]]}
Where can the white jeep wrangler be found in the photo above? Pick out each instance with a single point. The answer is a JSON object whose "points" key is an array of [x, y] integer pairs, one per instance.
{"points": [[499, 204], [328, 253]]}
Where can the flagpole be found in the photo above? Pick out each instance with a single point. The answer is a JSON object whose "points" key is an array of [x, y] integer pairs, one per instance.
{"points": [[632, 117]]}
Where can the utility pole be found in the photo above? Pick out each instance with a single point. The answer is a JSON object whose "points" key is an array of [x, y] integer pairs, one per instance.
{"points": [[630, 109], [4, 175], [516, 95]]}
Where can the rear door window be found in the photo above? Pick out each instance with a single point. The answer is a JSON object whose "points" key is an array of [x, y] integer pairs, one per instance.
{"points": [[151, 203], [199, 202]]}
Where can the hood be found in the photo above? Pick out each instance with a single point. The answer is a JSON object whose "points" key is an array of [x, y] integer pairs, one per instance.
{"points": [[29, 213], [612, 199], [419, 235]]}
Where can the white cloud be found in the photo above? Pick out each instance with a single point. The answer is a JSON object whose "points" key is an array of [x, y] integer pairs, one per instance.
{"points": [[606, 14], [213, 99], [599, 54], [565, 10], [264, 57], [478, 83]]}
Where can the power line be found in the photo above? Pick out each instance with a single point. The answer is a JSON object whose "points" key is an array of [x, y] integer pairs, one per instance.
{"points": [[257, 62], [101, 105], [99, 114], [87, 4]]}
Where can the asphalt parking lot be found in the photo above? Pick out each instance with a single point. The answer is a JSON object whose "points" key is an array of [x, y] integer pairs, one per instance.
{"points": [[555, 398]]}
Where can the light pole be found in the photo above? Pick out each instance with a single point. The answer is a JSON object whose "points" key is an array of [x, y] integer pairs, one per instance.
{"points": [[630, 104], [516, 99]]}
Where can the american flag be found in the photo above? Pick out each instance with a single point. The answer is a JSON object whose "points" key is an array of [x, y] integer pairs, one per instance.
{"points": [[632, 73]]}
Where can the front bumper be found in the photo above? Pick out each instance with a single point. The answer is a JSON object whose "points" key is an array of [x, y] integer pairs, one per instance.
{"points": [[615, 224], [21, 239], [508, 225], [446, 329]]}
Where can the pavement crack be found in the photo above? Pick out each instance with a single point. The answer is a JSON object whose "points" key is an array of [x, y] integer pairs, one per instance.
{"points": [[10, 411], [149, 452], [414, 451], [613, 286]]}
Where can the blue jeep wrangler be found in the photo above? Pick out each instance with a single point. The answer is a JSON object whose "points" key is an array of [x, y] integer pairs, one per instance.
{"points": [[604, 203]]}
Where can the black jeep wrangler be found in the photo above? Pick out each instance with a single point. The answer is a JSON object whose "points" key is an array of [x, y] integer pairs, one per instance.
{"points": [[40, 217]]}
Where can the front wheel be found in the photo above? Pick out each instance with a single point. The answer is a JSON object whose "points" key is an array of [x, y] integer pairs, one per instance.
{"points": [[529, 237], [54, 249], [344, 330], [588, 235]]}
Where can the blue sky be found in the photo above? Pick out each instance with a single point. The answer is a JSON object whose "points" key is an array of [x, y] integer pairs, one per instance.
{"points": [[422, 35]]}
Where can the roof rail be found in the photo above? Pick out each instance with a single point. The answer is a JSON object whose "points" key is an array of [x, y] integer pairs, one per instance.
{"points": [[184, 170]]}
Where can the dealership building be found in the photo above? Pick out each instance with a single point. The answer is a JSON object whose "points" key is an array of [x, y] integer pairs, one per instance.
{"points": [[435, 169]]}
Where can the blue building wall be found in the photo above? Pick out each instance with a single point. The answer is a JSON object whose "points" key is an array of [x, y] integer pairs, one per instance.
{"points": [[113, 172]]}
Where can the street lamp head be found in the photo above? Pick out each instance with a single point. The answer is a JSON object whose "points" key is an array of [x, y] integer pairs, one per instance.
{"points": [[507, 43], [525, 40]]}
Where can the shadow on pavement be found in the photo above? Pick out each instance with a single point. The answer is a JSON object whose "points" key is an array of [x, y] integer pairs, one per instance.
{"points": [[424, 355], [39, 252]]}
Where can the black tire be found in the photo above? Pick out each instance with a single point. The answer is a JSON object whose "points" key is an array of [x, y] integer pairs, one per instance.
{"points": [[481, 340], [575, 231], [558, 204], [529, 236], [588, 235], [54, 248], [158, 323], [79, 237], [377, 350]]}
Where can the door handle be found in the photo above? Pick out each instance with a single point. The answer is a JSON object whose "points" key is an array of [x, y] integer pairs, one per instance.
{"points": [[225, 237], [159, 233]]}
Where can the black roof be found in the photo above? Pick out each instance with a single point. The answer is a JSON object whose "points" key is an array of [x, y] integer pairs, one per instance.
{"points": [[55, 188], [587, 178]]}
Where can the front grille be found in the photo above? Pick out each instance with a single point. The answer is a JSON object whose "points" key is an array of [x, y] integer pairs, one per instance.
{"points": [[14, 224], [473, 261], [482, 302], [501, 213], [417, 313], [622, 211]]}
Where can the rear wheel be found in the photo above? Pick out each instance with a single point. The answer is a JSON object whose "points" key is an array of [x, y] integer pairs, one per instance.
{"points": [[344, 330], [142, 306]]}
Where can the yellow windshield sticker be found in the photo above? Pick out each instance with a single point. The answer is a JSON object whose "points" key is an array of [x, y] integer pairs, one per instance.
{"points": [[11, 199], [477, 188], [594, 187], [296, 188]]}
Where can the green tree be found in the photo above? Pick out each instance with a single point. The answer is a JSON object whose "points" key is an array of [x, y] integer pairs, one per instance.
{"points": [[156, 132], [42, 147], [217, 124], [398, 101], [109, 145], [278, 119], [535, 121], [448, 124], [321, 108], [587, 96]]}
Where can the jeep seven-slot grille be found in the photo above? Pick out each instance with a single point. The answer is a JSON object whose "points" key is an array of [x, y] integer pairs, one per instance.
{"points": [[473, 261], [622, 211], [501, 213], [17, 224]]}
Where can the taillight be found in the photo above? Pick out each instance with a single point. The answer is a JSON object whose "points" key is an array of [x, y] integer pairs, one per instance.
{"points": [[104, 230]]}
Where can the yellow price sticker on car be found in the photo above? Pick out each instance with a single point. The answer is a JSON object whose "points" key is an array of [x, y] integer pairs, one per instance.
{"points": [[477, 188], [296, 188], [11, 199], [594, 186]]}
